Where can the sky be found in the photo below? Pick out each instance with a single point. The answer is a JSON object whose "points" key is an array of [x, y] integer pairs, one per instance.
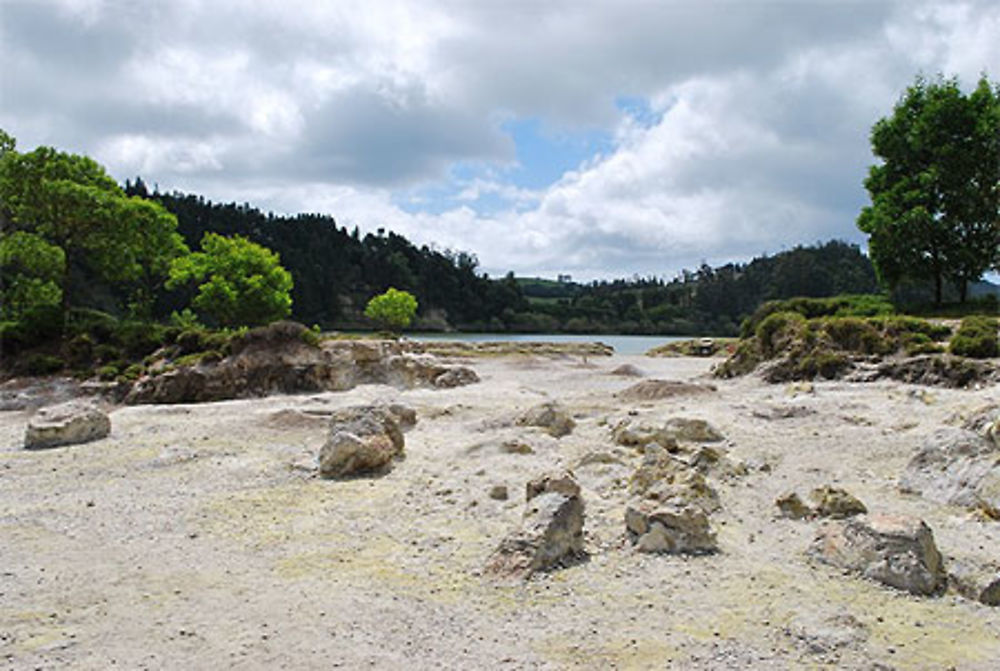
{"points": [[596, 139]]}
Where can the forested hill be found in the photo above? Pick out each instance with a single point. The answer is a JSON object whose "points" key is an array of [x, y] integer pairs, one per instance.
{"points": [[336, 271]]}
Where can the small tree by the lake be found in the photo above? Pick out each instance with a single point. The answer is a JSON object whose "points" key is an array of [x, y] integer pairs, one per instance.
{"points": [[393, 310]]}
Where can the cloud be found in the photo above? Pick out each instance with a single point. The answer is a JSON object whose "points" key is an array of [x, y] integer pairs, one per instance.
{"points": [[723, 130]]}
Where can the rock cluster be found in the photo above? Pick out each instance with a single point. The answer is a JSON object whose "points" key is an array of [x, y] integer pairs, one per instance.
{"points": [[827, 501], [66, 424], [291, 365], [364, 439], [551, 531]]}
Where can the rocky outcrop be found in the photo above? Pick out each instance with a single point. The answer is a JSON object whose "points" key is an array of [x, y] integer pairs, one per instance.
{"points": [[364, 439], [551, 531], [655, 390], [894, 550], [549, 416], [958, 466], [940, 370], [669, 435], [66, 424], [291, 365]]}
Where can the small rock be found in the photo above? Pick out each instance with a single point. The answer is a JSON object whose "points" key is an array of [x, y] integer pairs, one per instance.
{"points": [[792, 507], [667, 527], [363, 439], [685, 430], [977, 582], [550, 416], [499, 492], [68, 423], [895, 550], [836, 503], [655, 390], [627, 370], [561, 483]]}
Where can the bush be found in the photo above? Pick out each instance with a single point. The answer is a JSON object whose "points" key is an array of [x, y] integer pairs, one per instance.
{"points": [[108, 372], [844, 305], [775, 331], [976, 338], [393, 310], [43, 364]]}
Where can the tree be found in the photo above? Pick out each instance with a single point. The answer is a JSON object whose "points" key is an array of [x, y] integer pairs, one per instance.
{"points": [[30, 270], [935, 209], [393, 310], [70, 202], [241, 283]]}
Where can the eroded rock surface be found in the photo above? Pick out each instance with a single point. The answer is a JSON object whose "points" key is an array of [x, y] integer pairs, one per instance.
{"points": [[364, 439], [290, 365], [670, 527], [654, 390], [550, 416], [979, 582], [895, 550], [957, 466], [835, 503], [66, 424], [551, 531]]}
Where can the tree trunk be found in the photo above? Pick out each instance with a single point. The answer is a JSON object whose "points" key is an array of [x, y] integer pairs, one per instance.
{"points": [[963, 290], [937, 289]]}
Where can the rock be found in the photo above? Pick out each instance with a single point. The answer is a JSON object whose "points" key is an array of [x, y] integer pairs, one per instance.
{"points": [[783, 412], [515, 446], [985, 422], [639, 434], [715, 462], [560, 483], [67, 423], [669, 527], [550, 416], [792, 507], [499, 492], [278, 359], [895, 550], [662, 477], [363, 439], [685, 430], [627, 370], [942, 370], [823, 634], [551, 531], [836, 503], [655, 390], [958, 467], [978, 582]]}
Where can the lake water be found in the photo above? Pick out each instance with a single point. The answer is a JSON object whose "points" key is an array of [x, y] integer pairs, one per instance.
{"points": [[623, 344]]}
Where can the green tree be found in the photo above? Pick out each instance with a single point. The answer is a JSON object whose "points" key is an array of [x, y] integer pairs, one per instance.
{"points": [[30, 271], [69, 201], [241, 283], [393, 310], [935, 209]]}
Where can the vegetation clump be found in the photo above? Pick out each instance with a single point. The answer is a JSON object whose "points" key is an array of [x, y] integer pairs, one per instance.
{"points": [[976, 338], [393, 310]]}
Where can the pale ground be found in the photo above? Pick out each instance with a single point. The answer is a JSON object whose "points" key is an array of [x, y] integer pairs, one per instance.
{"points": [[199, 537]]}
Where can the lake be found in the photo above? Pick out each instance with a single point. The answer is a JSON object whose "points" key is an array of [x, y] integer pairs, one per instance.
{"points": [[623, 344]]}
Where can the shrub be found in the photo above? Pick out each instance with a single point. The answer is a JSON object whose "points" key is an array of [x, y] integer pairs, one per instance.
{"points": [[108, 372], [776, 329], [976, 338], [43, 364], [393, 310]]}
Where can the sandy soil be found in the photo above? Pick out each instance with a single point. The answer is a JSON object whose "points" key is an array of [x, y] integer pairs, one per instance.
{"points": [[200, 537]]}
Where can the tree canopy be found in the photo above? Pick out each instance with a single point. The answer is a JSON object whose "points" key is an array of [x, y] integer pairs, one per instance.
{"points": [[935, 196], [241, 283], [392, 310], [69, 202]]}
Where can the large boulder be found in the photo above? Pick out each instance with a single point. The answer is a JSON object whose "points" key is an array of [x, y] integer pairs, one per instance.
{"points": [[551, 531], [550, 416], [364, 439], [895, 550], [66, 424], [280, 359], [669, 527], [957, 466]]}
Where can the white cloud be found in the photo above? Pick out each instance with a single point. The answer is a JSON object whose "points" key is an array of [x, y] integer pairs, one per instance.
{"points": [[757, 136]]}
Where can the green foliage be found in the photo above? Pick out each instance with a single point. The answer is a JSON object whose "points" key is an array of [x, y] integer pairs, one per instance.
{"points": [[935, 208], [240, 283], [30, 272], [70, 203], [845, 305], [976, 338], [393, 310], [43, 364], [778, 328]]}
